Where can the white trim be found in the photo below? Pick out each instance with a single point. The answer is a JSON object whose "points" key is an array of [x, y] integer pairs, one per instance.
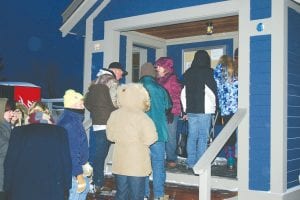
{"points": [[204, 38], [129, 50], [291, 194], [76, 16], [244, 74], [113, 28], [297, 1], [98, 46], [294, 6], [145, 40], [278, 127], [89, 45], [175, 16]]}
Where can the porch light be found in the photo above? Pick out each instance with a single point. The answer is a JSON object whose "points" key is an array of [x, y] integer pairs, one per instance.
{"points": [[209, 28]]}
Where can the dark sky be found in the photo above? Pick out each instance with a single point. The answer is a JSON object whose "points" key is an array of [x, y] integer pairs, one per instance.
{"points": [[33, 50]]}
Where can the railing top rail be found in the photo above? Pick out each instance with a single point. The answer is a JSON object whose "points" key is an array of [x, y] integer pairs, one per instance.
{"points": [[210, 154], [60, 100]]}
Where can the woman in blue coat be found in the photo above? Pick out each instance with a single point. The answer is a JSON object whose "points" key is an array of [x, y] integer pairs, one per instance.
{"points": [[226, 76], [38, 163]]}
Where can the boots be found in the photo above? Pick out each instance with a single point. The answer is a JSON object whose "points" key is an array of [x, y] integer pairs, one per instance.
{"points": [[230, 156]]}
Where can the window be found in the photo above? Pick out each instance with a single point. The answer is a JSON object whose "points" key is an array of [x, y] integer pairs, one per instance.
{"points": [[215, 53]]}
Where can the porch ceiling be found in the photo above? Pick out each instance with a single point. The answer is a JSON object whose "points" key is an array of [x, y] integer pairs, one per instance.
{"points": [[195, 28]]}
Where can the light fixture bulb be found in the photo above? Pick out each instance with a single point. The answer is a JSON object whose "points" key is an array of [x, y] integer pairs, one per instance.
{"points": [[210, 28]]}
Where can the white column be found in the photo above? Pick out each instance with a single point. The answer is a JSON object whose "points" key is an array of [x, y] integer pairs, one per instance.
{"points": [[279, 97]]}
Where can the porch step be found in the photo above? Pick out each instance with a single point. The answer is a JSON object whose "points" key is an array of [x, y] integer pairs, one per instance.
{"points": [[222, 178], [220, 183]]}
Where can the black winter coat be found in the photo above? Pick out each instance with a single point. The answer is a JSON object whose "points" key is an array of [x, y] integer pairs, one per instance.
{"points": [[38, 163]]}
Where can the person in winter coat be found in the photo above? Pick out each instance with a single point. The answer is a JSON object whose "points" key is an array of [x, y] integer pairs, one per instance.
{"points": [[71, 119], [133, 132], [226, 77], [167, 78], [38, 162], [6, 114], [199, 100], [100, 101], [159, 104]]}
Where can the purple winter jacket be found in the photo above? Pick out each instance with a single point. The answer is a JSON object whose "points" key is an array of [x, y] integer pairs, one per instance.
{"points": [[172, 85]]}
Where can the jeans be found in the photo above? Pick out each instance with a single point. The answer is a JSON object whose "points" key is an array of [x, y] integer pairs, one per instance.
{"points": [[101, 150], [74, 195], [172, 141], [158, 170], [199, 127], [129, 187]]}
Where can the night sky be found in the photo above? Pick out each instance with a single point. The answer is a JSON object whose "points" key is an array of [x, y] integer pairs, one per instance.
{"points": [[33, 50]]}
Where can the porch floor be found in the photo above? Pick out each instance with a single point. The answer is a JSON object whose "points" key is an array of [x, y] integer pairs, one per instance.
{"points": [[177, 191]]}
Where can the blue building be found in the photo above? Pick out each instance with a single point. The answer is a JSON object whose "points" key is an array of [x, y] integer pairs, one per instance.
{"points": [[269, 72]]}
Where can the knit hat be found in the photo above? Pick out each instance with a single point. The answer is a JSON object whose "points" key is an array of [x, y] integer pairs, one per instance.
{"points": [[147, 69], [71, 97]]}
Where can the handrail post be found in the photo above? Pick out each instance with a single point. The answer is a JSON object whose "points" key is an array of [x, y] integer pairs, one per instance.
{"points": [[203, 166], [205, 184]]}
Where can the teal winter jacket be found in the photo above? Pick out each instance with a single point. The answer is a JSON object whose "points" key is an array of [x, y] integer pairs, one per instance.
{"points": [[160, 103]]}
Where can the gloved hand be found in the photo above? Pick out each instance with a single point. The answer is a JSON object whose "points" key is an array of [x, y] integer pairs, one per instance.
{"points": [[81, 184], [87, 170]]}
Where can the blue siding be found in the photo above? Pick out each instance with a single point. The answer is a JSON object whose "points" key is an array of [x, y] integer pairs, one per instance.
{"points": [[293, 143], [175, 51], [122, 53], [97, 60], [260, 9], [260, 109], [117, 9], [151, 55]]}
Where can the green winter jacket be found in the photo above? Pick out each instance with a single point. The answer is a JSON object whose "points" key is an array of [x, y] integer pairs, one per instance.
{"points": [[160, 103]]}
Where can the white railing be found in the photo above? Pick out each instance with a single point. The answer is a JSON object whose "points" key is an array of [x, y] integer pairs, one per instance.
{"points": [[203, 166]]}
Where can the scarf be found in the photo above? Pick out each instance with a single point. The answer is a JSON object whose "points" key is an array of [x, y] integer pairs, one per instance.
{"points": [[40, 118]]}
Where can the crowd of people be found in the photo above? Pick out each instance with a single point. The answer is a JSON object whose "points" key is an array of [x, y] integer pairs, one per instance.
{"points": [[45, 159]]}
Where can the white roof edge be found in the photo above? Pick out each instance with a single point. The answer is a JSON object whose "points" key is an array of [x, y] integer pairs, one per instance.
{"points": [[76, 16], [15, 83]]}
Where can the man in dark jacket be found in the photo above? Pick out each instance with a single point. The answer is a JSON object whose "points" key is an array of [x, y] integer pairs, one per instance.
{"points": [[199, 99], [101, 100], [6, 114], [38, 163]]}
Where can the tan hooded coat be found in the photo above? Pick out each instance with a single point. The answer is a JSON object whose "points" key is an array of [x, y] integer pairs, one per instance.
{"points": [[132, 131]]}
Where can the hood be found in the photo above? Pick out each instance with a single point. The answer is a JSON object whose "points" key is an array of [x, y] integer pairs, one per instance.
{"points": [[201, 60], [2, 108], [133, 96], [105, 71], [167, 63]]}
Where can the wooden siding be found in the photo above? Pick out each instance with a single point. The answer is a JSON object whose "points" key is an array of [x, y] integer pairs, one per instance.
{"points": [[260, 9], [293, 131], [260, 109]]}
